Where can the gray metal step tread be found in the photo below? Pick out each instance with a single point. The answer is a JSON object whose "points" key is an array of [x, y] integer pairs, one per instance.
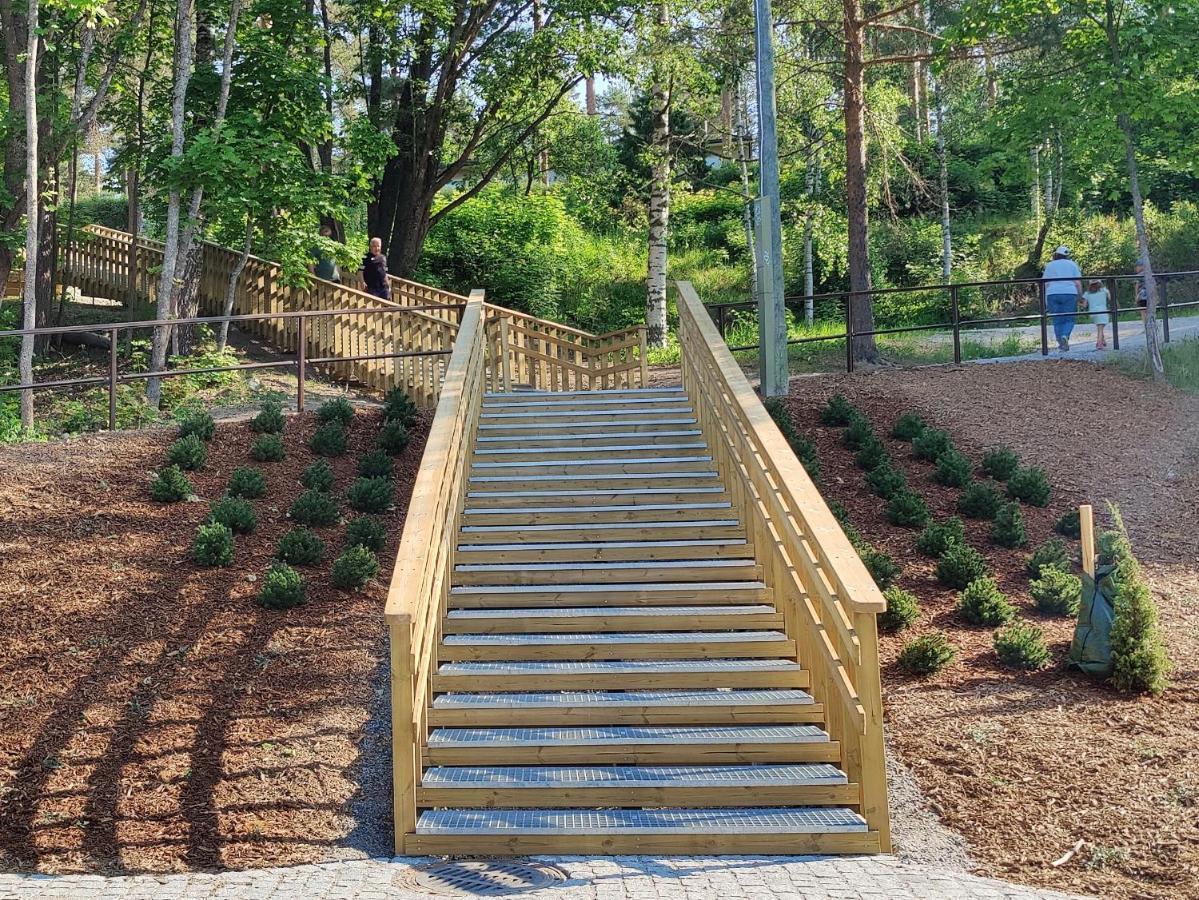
{"points": [[683, 409], [634, 435], [602, 526], [576, 401], [539, 427], [603, 448], [634, 392], [697, 543], [733, 820], [623, 461], [612, 666], [627, 735], [614, 637], [602, 492], [607, 588], [616, 566], [569, 612], [615, 507], [615, 699], [566, 776], [605, 476]]}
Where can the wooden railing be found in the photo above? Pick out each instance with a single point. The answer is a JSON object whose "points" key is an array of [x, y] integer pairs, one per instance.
{"points": [[420, 583], [97, 263], [828, 599]]}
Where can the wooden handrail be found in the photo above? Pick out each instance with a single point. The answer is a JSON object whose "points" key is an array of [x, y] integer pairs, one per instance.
{"points": [[828, 599], [420, 583]]}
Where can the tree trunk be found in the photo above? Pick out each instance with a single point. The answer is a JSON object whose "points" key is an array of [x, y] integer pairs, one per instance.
{"points": [[1034, 162], [589, 94], [659, 199], [231, 287], [857, 209], [32, 235], [809, 279], [942, 161], [744, 152]]}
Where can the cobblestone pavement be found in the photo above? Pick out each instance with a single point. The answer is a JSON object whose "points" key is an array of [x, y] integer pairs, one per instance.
{"points": [[587, 878]]}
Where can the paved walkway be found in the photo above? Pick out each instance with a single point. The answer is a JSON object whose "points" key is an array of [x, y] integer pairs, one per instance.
{"points": [[1082, 339], [590, 878]]}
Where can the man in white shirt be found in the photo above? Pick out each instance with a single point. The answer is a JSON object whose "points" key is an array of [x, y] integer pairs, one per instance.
{"points": [[1063, 287]]}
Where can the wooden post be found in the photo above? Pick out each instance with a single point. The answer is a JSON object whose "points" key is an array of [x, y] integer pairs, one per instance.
{"points": [[1086, 524], [504, 354], [403, 732], [644, 358]]}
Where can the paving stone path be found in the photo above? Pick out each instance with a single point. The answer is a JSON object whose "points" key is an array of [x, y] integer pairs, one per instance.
{"points": [[588, 878]]}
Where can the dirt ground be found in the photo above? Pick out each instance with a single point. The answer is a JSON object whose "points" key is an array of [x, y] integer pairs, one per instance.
{"points": [[1024, 766], [152, 716]]}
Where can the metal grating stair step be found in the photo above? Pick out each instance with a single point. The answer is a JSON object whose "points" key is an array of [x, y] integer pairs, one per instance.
{"points": [[791, 774], [612, 666], [694, 586], [587, 436], [607, 567], [568, 612], [626, 735], [576, 463], [517, 396], [786, 820], [634, 637], [558, 699], [655, 423]]}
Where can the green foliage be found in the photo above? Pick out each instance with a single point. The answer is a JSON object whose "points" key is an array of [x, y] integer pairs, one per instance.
{"points": [[314, 508], [881, 566], [1051, 554], [188, 453], [213, 545], [931, 443], [354, 568], [902, 610], [1001, 463], [803, 448], [1021, 645], [937, 537], [838, 411], [268, 448], [1057, 592], [393, 438], [171, 486], [282, 588], [398, 407], [270, 418], [886, 481], [982, 603], [370, 495], [960, 565], [1030, 485], [908, 427], [300, 547], [954, 469], [927, 654], [367, 532], [1007, 529], [871, 454], [236, 513], [1069, 525], [1139, 660], [247, 482], [198, 422], [979, 501], [859, 433], [908, 510], [318, 476], [109, 210], [376, 464], [336, 409], [329, 439]]}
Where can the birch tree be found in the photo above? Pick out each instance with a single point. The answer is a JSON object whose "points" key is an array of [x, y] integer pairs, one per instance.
{"points": [[33, 220], [661, 93]]}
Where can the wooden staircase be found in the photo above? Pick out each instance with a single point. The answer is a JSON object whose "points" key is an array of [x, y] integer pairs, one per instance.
{"points": [[612, 672]]}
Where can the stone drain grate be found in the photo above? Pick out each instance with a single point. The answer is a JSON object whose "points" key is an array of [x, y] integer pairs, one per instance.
{"points": [[482, 878]]}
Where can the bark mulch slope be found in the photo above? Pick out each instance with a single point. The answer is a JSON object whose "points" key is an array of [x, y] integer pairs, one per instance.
{"points": [[1025, 765], [152, 716]]}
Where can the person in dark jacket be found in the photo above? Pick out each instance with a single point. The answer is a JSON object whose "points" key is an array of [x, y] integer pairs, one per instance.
{"points": [[374, 271]]}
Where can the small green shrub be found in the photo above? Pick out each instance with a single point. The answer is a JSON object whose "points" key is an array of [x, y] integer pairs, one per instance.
{"points": [[300, 547], [318, 477], [881, 566], [927, 654], [886, 481], [871, 454], [938, 537], [268, 448], [902, 609], [354, 568], [1051, 554], [328, 439], [979, 501], [366, 532], [189, 453], [282, 588], [838, 411], [213, 545], [1029, 485], [314, 508], [859, 433], [1069, 525], [393, 438], [1007, 529], [247, 482], [908, 427], [398, 407], [954, 469], [960, 565], [170, 486], [337, 409], [376, 464], [1021, 645], [270, 418], [236, 513], [370, 495], [1057, 592], [982, 603], [198, 422], [1139, 660], [1001, 463], [931, 443], [908, 510], [803, 448]]}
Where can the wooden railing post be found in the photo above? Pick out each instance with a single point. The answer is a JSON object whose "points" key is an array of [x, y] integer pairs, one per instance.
{"points": [[505, 354], [405, 746], [641, 337]]}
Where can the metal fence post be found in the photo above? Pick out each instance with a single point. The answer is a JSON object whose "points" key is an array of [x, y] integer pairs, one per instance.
{"points": [[720, 320], [957, 331], [1114, 303], [301, 362], [1164, 293], [1044, 321], [112, 380], [849, 333]]}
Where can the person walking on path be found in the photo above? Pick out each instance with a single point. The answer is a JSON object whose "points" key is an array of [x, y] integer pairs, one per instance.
{"points": [[374, 271], [323, 265], [1098, 303], [1063, 286]]}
